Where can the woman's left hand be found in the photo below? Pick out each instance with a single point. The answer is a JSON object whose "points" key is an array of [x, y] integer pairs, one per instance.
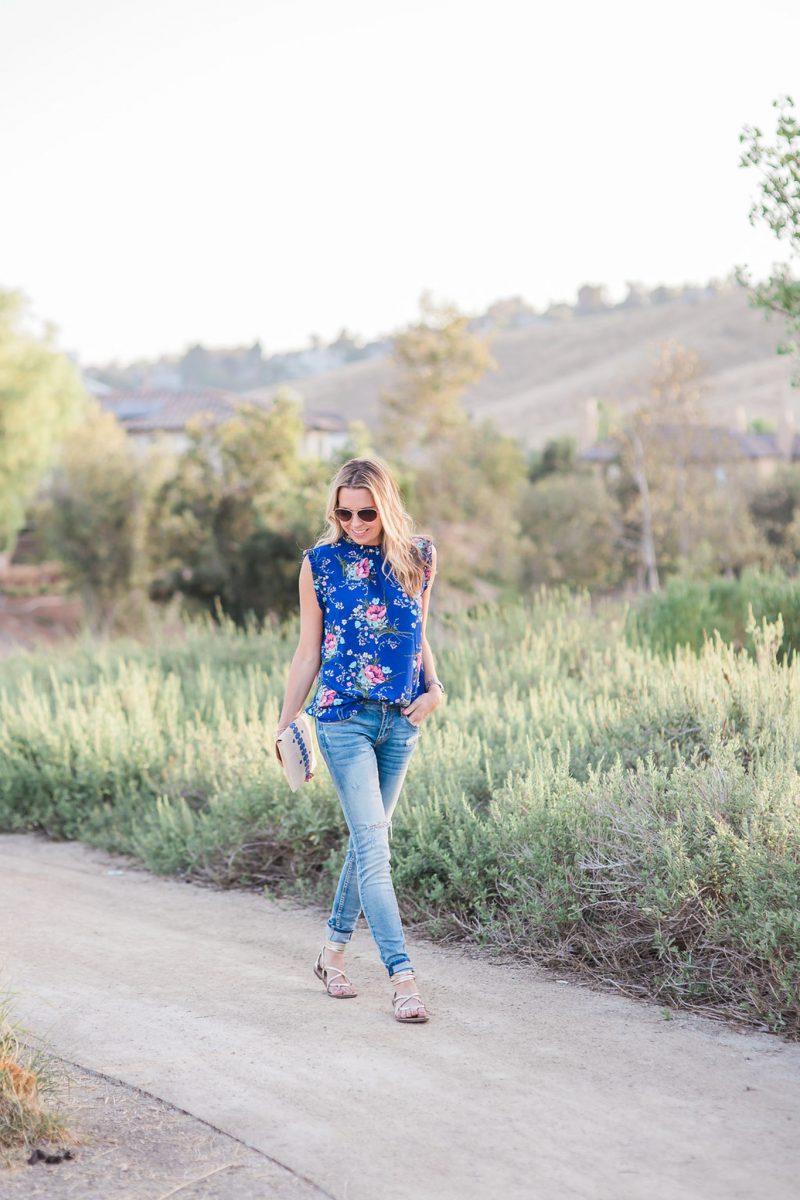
{"points": [[423, 706]]}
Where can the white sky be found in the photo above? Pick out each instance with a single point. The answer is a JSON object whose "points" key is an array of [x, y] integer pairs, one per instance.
{"points": [[221, 170]]}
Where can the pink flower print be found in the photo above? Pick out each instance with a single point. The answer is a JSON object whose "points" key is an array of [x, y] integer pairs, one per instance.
{"points": [[326, 698], [362, 568], [418, 660], [376, 613], [374, 674], [329, 644]]}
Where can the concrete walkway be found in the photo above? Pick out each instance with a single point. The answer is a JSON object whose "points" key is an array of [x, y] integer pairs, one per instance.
{"points": [[519, 1085]]}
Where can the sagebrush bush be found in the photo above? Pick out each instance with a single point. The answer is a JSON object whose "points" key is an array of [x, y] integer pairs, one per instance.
{"points": [[581, 798]]}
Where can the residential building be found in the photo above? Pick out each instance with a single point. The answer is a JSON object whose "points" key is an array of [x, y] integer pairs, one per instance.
{"points": [[163, 413]]}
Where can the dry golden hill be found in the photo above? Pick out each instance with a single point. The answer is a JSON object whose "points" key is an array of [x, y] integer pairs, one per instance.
{"points": [[546, 373]]}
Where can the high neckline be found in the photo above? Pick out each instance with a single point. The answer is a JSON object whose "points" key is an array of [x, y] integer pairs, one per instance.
{"points": [[361, 545]]}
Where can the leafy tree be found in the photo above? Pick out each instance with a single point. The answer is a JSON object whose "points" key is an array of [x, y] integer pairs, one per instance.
{"points": [[469, 493], [727, 539], [774, 507], [509, 313], [778, 207], [558, 455], [197, 368], [437, 359], [569, 526], [230, 523], [663, 490], [463, 480], [41, 397], [92, 516]]}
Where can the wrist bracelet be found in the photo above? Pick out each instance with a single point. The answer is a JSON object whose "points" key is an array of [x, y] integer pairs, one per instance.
{"points": [[435, 683]]}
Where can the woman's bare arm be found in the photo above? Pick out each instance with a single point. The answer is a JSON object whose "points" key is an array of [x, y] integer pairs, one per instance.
{"points": [[307, 657]]}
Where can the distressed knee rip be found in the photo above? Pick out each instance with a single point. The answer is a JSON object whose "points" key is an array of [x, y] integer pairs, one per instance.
{"points": [[361, 828], [369, 834]]}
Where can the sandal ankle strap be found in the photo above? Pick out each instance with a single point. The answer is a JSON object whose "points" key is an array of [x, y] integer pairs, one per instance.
{"points": [[401, 975], [334, 947]]}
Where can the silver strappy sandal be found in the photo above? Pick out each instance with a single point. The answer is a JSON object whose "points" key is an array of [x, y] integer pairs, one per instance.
{"points": [[322, 972], [399, 999]]}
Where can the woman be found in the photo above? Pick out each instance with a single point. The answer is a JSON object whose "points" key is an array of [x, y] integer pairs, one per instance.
{"points": [[364, 593]]}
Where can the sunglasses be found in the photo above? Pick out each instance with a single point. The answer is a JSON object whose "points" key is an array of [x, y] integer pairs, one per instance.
{"points": [[345, 515]]}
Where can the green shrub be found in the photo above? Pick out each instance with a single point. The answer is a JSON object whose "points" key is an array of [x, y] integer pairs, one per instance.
{"points": [[687, 611], [581, 798]]}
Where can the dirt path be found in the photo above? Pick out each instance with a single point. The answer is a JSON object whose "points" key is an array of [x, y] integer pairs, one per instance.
{"points": [[519, 1085]]}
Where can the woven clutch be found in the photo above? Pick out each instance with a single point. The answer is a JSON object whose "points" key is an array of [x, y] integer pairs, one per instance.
{"points": [[296, 748]]}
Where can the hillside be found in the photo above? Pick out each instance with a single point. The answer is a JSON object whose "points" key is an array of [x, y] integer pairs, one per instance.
{"points": [[546, 372]]}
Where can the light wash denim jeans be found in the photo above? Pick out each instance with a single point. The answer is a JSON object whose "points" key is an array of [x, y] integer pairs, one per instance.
{"points": [[368, 756]]}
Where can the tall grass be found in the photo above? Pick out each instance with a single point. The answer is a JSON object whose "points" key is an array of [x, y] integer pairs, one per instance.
{"points": [[581, 798]]}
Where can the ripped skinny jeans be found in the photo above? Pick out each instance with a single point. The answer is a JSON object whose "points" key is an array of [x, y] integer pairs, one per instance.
{"points": [[368, 756]]}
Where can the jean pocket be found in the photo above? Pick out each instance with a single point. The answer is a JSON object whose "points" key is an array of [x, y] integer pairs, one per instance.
{"points": [[340, 720]]}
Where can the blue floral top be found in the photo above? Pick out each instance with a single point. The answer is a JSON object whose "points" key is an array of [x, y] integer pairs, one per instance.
{"points": [[372, 629]]}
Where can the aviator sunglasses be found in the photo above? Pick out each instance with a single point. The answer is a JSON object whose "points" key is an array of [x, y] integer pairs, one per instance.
{"points": [[345, 515]]}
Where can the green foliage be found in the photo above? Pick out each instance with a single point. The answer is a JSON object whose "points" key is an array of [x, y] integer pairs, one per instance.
{"points": [[462, 479], [570, 528], [557, 455], [688, 612], [777, 207], [437, 359], [41, 397], [663, 505], [92, 516], [580, 799], [609, 419], [470, 494], [774, 508], [229, 524]]}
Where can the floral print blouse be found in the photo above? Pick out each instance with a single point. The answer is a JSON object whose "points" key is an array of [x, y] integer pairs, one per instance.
{"points": [[372, 629]]}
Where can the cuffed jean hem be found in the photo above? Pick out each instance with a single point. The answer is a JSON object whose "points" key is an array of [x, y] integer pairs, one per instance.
{"points": [[337, 935], [401, 964]]}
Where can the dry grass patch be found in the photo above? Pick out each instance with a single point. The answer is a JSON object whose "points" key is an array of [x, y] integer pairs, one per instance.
{"points": [[31, 1082]]}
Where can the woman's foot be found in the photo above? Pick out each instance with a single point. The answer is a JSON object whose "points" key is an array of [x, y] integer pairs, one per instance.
{"points": [[329, 967], [407, 1002]]}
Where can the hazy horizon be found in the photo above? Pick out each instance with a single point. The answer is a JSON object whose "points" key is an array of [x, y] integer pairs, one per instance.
{"points": [[381, 333], [217, 173]]}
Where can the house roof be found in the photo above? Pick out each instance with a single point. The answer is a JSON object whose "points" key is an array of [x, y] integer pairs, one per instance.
{"points": [[153, 409], [703, 443]]}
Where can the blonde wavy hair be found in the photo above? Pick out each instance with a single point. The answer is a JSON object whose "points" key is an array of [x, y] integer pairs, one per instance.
{"points": [[400, 552]]}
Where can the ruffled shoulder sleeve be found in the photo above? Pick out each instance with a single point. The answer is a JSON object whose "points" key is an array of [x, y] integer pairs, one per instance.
{"points": [[425, 546], [319, 584]]}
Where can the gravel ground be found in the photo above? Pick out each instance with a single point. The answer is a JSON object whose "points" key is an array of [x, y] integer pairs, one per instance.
{"points": [[131, 1146]]}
